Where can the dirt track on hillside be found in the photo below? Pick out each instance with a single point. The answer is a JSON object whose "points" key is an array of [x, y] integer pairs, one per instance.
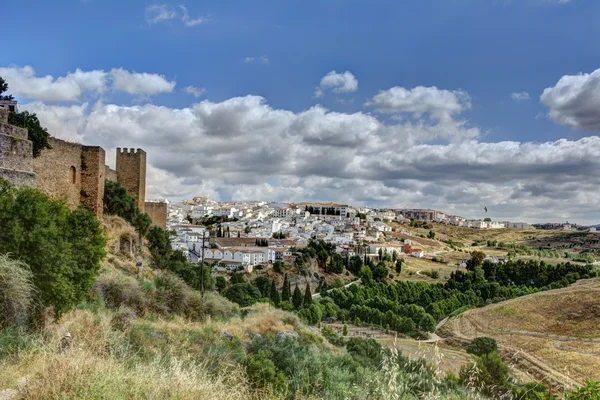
{"points": [[533, 333]]}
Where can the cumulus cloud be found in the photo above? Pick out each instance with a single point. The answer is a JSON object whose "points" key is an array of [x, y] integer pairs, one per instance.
{"points": [[24, 83], [156, 13], [194, 91], [575, 101], [440, 104], [256, 60], [244, 148], [140, 83], [75, 86], [519, 96], [344, 82]]}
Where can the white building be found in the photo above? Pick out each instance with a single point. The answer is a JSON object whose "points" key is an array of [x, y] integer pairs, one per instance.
{"points": [[388, 248]]}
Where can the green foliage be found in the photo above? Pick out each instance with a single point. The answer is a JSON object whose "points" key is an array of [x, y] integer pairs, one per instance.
{"points": [[431, 235], [399, 266], [286, 294], [117, 201], [365, 274], [427, 323], [354, 264], [279, 235], [274, 294], [220, 283], [278, 266], [16, 292], [243, 294], [63, 248], [482, 345], [35, 132], [262, 283], [307, 296], [380, 272], [297, 298], [591, 391], [345, 330], [4, 89], [262, 373], [476, 259], [490, 375], [14, 340]]}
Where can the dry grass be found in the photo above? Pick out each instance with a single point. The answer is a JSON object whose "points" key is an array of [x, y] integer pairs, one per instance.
{"points": [[559, 329]]}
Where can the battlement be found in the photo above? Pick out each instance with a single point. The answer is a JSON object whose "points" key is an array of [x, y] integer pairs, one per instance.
{"points": [[130, 152]]}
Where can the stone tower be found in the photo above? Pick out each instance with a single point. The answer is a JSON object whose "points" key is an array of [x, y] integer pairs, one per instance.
{"points": [[131, 173], [16, 155]]}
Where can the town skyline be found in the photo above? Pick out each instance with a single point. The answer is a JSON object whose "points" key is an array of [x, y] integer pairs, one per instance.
{"points": [[353, 103]]}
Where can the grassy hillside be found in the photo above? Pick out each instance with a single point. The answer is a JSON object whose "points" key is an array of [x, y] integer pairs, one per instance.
{"points": [[557, 332]]}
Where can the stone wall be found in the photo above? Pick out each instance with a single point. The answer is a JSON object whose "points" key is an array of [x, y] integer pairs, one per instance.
{"points": [[58, 171], [93, 170], [158, 212], [110, 174], [16, 154], [131, 173]]}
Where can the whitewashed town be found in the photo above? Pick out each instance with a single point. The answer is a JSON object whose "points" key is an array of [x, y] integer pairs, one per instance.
{"points": [[242, 235]]}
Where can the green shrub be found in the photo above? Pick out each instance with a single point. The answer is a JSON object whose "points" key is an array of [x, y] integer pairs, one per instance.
{"points": [[63, 248], [115, 290], [262, 373], [16, 292], [482, 345], [172, 293]]}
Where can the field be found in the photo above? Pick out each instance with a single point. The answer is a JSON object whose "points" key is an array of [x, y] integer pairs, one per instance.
{"points": [[553, 335]]}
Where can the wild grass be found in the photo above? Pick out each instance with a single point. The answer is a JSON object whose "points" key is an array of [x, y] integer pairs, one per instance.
{"points": [[16, 292]]}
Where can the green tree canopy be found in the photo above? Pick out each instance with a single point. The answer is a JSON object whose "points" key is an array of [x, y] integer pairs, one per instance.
{"points": [[297, 298], [62, 247]]}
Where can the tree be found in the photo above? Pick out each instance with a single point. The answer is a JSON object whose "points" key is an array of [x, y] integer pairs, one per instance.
{"points": [[380, 272], [482, 345], [220, 283], [399, 266], [3, 89], [243, 294], [365, 274], [35, 132], [274, 295], [431, 234], [117, 201], [278, 266], [285, 291], [476, 259], [354, 264], [427, 323], [63, 248], [297, 298], [345, 330], [307, 295], [159, 244]]}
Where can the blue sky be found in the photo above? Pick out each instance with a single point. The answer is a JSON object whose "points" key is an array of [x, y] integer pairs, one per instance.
{"points": [[487, 49]]}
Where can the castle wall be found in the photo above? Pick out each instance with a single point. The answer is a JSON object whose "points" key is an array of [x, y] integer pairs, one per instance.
{"points": [[58, 171], [110, 174], [92, 178], [16, 154], [158, 213], [131, 173]]}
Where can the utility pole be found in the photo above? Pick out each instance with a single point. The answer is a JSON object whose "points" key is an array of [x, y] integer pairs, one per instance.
{"points": [[202, 266]]}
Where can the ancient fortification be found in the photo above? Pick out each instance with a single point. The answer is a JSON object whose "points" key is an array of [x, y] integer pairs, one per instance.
{"points": [[74, 172]]}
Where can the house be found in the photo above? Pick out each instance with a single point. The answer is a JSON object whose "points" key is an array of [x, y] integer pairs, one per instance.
{"points": [[418, 253], [386, 248]]}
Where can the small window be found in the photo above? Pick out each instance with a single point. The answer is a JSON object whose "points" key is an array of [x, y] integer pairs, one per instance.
{"points": [[73, 175]]}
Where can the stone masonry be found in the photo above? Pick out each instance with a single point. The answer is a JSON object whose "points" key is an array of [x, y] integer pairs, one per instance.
{"points": [[16, 162], [157, 211], [131, 173]]}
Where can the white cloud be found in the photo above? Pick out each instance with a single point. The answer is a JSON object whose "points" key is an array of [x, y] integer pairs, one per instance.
{"points": [[440, 104], [136, 83], [23, 83], [519, 96], [187, 21], [575, 101], [156, 13], [194, 91], [256, 60], [344, 82], [245, 148]]}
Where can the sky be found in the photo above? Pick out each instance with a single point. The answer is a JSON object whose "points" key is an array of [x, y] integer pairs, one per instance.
{"points": [[454, 105]]}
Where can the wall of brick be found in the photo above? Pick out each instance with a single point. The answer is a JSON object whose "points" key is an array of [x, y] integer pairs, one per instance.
{"points": [[55, 169], [93, 170], [131, 173], [158, 213]]}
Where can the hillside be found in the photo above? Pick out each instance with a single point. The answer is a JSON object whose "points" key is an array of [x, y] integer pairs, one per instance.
{"points": [[555, 334]]}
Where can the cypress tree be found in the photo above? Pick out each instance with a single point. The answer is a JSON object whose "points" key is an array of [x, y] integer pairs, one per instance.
{"points": [[307, 295], [274, 296], [285, 292], [297, 298]]}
